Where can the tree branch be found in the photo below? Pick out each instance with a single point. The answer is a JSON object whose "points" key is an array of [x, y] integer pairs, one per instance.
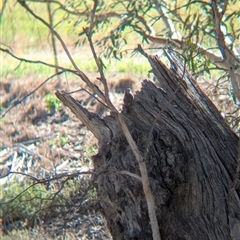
{"points": [[81, 74], [37, 62], [228, 58], [29, 94], [137, 153]]}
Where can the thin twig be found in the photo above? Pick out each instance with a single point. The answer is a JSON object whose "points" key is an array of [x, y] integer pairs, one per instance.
{"points": [[29, 94], [133, 145], [43, 181], [85, 90], [36, 62], [38, 139], [102, 79], [80, 73], [228, 57], [130, 174]]}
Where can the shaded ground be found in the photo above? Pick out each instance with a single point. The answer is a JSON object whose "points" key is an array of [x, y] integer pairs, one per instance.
{"points": [[43, 142]]}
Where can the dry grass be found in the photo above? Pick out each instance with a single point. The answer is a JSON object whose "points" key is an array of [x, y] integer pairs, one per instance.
{"points": [[42, 131], [43, 141], [50, 141]]}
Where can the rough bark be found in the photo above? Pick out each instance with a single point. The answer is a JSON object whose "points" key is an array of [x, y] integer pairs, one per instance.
{"points": [[191, 161]]}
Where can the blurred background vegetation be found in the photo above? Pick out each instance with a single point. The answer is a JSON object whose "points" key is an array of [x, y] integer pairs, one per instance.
{"points": [[28, 47], [118, 27]]}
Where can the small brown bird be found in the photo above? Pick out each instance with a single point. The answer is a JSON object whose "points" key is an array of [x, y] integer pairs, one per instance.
{"points": [[128, 99]]}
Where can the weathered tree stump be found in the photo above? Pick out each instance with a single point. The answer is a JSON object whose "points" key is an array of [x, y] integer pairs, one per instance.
{"points": [[191, 158]]}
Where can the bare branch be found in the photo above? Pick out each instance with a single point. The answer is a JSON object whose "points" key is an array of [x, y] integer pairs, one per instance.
{"points": [[37, 62], [137, 153], [181, 44], [131, 175], [229, 59], [80, 73], [17, 102]]}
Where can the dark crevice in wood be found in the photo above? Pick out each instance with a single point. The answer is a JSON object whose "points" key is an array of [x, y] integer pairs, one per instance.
{"points": [[191, 161]]}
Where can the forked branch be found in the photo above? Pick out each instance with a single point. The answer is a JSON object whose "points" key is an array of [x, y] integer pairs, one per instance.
{"points": [[133, 145]]}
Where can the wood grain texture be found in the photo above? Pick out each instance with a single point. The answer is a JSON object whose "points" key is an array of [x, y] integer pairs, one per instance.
{"points": [[191, 159]]}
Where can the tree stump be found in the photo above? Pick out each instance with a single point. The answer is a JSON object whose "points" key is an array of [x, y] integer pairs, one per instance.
{"points": [[191, 158]]}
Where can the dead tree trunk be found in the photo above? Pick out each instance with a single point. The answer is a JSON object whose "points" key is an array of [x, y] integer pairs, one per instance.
{"points": [[191, 158]]}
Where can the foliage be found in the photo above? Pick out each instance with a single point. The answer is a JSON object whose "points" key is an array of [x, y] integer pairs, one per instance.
{"points": [[27, 202], [91, 151], [64, 140], [22, 201], [52, 102], [118, 26], [188, 27]]}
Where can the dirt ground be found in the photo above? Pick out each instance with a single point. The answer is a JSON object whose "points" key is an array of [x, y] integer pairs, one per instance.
{"points": [[43, 142]]}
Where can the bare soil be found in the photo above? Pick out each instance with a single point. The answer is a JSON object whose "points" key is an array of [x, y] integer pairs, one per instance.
{"points": [[42, 142]]}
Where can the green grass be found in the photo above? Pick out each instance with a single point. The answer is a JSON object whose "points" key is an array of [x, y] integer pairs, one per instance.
{"points": [[133, 66], [22, 26], [12, 68], [52, 102], [22, 201], [91, 150], [64, 140], [38, 234], [30, 39]]}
